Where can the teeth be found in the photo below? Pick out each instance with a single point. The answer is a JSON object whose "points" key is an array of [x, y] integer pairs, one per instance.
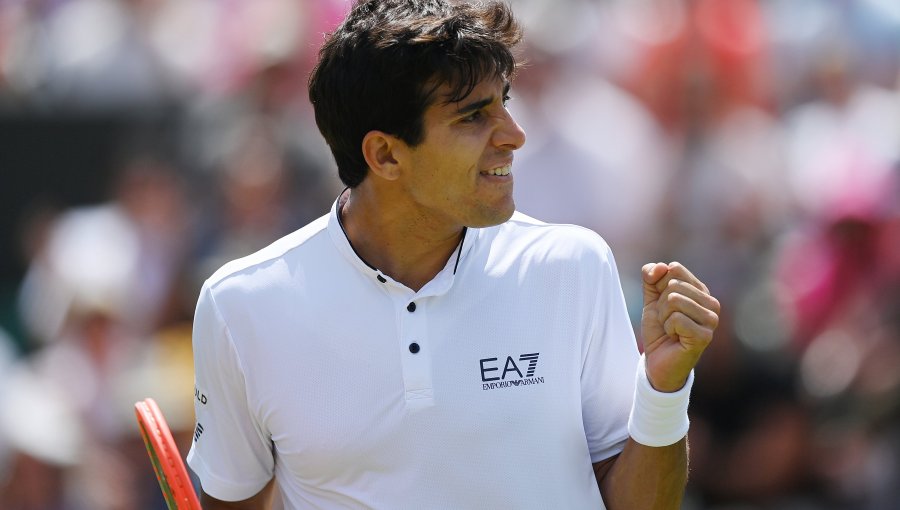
{"points": [[503, 170]]}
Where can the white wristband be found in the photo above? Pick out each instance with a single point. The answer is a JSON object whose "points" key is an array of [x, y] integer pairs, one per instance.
{"points": [[658, 418]]}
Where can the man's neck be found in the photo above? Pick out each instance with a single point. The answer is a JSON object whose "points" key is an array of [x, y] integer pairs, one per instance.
{"points": [[388, 239]]}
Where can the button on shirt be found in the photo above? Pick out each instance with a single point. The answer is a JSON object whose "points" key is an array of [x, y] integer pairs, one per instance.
{"points": [[522, 376]]}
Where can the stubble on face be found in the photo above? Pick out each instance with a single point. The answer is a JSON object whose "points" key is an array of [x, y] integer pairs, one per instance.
{"points": [[461, 172]]}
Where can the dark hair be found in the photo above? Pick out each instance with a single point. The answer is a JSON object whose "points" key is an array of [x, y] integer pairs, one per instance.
{"points": [[380, 68]]}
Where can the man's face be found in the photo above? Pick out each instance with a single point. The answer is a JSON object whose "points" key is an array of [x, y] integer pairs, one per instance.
{"points": [[460, 175]]}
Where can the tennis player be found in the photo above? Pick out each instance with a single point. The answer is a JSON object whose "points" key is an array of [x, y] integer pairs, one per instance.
{"points": [[423, 345]]}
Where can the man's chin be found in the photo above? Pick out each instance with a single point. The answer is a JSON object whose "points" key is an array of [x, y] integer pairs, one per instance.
{"points": [[494, 217]]}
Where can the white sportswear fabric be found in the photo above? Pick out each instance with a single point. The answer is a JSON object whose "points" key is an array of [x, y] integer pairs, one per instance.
{"points": [[523, 378]]}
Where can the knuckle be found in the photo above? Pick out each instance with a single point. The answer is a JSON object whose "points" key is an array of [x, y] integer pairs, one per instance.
{"points": [[669, 329], [679, 319], [713, 320]]}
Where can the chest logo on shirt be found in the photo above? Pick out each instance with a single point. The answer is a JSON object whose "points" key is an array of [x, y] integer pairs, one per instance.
{"points": [[496, 374]]}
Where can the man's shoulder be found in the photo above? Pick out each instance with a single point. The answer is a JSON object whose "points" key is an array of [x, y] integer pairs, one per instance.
{"points": [[549, 254], [526, 242], [560, 235], [299, 243]]}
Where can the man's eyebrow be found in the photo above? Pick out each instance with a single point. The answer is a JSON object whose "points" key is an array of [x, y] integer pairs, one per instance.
{"points": [[481, 103], [477, 105]]}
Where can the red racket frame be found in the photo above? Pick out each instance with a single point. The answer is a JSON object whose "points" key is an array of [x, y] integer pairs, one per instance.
{"points": [[167, 462]]}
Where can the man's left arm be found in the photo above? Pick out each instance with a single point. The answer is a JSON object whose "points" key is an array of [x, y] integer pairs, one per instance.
{"points": [[677, 325], [644, 477]]}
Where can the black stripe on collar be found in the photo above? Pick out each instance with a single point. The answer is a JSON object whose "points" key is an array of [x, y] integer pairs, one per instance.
{"points": [[340, 207]]}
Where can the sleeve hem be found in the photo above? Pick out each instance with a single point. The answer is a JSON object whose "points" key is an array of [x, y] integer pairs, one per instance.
{"points": [[220, 488], [610, 451]]}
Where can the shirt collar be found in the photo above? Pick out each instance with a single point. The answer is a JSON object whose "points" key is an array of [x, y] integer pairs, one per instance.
{"points": [[439, 284]]}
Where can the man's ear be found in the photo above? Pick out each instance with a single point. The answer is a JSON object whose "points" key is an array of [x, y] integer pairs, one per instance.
{"points": [[381, 152]]}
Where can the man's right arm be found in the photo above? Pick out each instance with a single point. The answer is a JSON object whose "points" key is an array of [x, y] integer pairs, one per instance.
{"points": [[261, 501], [232, 452]]}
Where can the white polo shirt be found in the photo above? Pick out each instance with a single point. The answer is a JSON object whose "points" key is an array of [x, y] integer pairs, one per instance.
{"points": [[495, 386]]}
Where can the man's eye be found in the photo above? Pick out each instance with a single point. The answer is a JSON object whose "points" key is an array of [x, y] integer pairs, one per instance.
{"points": [[506, 99], [472, 117]]}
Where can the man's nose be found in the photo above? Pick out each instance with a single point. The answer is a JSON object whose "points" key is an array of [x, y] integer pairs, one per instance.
{"points": [[509, 135]]}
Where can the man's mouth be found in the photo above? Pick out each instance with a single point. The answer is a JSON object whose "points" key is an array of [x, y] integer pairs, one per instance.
{"points": [[500, 170]]}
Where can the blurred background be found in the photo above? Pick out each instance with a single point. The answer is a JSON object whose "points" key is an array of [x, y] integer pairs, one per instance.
{"points": [[145, 142]]}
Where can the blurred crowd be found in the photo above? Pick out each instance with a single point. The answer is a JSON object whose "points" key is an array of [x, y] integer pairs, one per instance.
{"points": [[757, 141]]}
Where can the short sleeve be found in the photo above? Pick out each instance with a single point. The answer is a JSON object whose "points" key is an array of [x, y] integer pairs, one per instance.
{"points": [[230, 453], [610, 360]]}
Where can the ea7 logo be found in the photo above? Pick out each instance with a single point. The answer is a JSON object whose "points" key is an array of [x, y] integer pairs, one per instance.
{"points": [[510, 376], [510, 369]]}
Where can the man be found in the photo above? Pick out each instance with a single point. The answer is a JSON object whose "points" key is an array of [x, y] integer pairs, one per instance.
{"points": [[423, 345]]}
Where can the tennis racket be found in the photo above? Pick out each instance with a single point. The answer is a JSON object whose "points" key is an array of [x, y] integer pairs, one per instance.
{"points": [[170, 471]]}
